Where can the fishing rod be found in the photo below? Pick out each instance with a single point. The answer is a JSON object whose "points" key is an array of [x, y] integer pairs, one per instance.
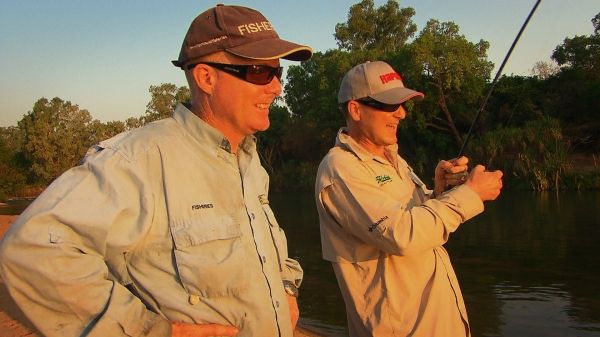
{"points": [[462, 148]]}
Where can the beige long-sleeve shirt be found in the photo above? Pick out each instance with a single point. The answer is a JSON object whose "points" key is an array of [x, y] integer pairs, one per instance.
{"points": [[159, 224], [384, 236]]}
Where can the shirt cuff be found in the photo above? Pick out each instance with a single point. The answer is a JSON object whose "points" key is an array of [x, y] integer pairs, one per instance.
{"points": [[292, 272], [466, 199]]}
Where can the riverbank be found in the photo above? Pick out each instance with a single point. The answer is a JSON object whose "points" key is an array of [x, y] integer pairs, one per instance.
{"points": [[13, 322]]}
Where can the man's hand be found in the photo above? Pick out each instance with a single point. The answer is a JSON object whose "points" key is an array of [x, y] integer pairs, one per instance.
{"points": [[450, 173], [201, 330], [487, 184], [294, 312]]}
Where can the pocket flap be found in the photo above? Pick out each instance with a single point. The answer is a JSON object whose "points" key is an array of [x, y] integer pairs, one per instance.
{"points": [[192, 232]]}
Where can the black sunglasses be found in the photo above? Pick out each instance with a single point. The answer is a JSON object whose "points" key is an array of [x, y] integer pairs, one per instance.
{"points": [[253, 73], [368, 101]]}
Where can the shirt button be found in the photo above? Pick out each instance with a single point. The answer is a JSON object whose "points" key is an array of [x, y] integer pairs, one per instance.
{"points": [[277, 304], [252, 215], [194, 299], [264, 259]]}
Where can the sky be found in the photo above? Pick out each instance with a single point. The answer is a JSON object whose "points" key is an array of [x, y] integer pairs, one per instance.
{"points": [[105, 55]]}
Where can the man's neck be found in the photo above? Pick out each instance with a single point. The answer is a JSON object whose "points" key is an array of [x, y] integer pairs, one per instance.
{"points": [[209, 118], [368, 145]]}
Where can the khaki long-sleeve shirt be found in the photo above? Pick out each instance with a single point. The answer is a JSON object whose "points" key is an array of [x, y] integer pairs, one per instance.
{"points": [[159, 224], [384, 236]]}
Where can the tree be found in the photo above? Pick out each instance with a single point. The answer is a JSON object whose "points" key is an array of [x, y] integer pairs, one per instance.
{"points": [[11, 167], [456, 69], [269, 141], [133, 122], [385, 29], [574, 94], [544, 70], [56, 135], [163, 100], [535, 153], [581, 52], [100, 131], [516, 100]]}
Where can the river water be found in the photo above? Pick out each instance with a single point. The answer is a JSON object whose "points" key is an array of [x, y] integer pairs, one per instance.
{"points": [[528, 266]]}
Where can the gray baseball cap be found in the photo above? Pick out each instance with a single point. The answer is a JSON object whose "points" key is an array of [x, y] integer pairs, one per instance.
{"points": [[377, 80]]}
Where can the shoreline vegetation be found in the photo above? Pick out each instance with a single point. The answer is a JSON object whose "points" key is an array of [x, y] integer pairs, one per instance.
{"points": [[582, 173]]}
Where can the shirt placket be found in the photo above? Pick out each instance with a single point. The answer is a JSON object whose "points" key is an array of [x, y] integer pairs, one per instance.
{"points": [[260, 231]]}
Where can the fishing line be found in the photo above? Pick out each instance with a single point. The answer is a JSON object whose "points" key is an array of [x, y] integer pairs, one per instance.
{"points": [[462, 148]]}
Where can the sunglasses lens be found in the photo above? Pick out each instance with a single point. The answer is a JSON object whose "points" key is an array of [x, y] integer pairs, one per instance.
{"points": [[259, 74], [390, 107], [380, 106]]}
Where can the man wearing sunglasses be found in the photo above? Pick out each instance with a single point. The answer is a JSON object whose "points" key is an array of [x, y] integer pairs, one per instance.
{"points": [[381, 228], [166, 230]]}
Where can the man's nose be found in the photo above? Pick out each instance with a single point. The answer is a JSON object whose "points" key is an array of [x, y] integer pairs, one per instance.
{"points": [[274, 87], [400, 113]]}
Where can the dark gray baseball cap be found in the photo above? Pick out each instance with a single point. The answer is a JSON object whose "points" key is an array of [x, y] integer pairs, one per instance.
{"points": [[238, 30], [377, 80]]}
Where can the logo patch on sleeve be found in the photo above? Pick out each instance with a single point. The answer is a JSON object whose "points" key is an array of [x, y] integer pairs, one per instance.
{"points": [[377, 223]]}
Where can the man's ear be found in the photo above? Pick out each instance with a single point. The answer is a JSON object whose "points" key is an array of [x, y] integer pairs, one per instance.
{"points": [[205, 78], [354, 111]]}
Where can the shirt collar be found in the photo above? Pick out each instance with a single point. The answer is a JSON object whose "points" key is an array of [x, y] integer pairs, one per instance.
{"points": [[346, 142], [207, 134]]}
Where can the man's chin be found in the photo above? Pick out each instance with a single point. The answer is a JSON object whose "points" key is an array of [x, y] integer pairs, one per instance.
{"points": [[262, 127], [391, 141]]}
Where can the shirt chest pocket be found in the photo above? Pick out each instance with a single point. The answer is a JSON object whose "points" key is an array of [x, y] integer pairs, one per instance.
{"points": [[209, 256]]}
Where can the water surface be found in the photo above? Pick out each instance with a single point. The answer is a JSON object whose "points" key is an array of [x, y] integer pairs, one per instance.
{"points": [[528, 266]]}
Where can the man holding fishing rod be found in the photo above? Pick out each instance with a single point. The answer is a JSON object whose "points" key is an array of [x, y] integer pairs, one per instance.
{"points": [[381, 228], [166, 230]]}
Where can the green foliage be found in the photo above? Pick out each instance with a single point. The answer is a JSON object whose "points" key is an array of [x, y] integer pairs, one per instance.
{"points": [[11, 173], [163, 100], [535, 153], [56, 137], [100, 131], [581, 52], [573, 95], [583, 180], [455, 72], [269, 141], [516, 100], [384, 29]]}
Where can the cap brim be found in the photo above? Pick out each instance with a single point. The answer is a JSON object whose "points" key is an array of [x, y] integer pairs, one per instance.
{"points": [[397, 96], [270, 49]]}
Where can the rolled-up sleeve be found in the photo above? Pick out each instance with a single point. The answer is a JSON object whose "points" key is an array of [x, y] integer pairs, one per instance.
{"points": [[394, 225], [293, 272]]}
